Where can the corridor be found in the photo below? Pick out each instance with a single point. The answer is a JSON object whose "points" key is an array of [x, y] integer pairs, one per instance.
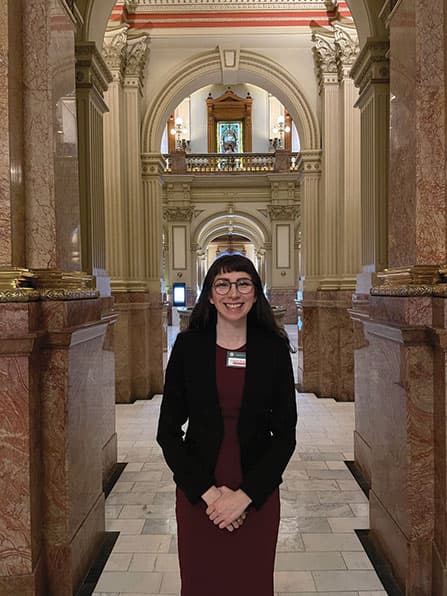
{"points": [[318, 550]]}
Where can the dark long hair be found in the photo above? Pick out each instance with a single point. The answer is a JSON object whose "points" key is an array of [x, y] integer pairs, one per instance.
{"points": [[204, 314]]}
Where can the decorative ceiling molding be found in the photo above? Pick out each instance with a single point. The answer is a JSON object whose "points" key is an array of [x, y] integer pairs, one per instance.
{"points": [[137, 6]]}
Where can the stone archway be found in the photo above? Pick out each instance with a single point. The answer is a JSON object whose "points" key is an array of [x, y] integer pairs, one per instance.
{"points": [[205, 69]]}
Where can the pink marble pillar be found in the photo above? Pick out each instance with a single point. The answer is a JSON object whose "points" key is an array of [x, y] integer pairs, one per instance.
{"points": [[12, 223], [50, 151], [400, 368]]}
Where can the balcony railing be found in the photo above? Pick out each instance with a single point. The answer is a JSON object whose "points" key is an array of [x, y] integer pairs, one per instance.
{"points": [[222, 163]]}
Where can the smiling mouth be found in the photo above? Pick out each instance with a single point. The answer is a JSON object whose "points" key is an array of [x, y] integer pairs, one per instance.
{"points": [[234, 306]]}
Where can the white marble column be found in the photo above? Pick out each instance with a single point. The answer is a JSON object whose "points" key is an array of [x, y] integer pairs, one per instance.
{"points": [[116, 213], [92, 79], [330, 211], [137, 52], [310, 168], [152, 168], [346, 43]]}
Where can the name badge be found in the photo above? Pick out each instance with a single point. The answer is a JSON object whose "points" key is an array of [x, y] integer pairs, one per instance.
{"points": [[236, 359]]}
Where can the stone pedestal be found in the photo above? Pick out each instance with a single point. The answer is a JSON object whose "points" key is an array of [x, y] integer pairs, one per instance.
{"points": [[394, 437], [327, 340], [58, 430]]}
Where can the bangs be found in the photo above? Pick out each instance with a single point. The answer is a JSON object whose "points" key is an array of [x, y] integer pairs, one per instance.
{"points": [[231, 263]]}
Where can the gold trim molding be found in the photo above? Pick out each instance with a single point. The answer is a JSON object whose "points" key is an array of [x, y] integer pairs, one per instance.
{"points": [[24, 285], [420, 280]]}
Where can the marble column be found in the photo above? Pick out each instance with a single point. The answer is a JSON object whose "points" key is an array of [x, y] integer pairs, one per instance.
{"points": [[116, 214], [92, 79], [402, 386], [152, 168], [371, 75], [126, 56], [326, 336]]}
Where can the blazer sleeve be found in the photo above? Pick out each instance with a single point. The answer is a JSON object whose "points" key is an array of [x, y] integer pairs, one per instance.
{"points": [[188, 471], [266, 474]]}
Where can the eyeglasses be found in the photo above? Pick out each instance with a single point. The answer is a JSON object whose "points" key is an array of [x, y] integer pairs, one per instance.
{"points": [[223, 286]]}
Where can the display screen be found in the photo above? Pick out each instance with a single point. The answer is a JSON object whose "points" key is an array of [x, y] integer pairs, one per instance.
{"points": [[179, 294]]}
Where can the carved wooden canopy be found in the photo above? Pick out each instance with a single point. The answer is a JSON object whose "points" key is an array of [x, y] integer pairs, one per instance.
{"points": [[229, 107]]}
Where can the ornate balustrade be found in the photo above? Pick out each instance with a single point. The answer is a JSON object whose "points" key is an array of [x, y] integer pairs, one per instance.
{"points": [[222, 163]]}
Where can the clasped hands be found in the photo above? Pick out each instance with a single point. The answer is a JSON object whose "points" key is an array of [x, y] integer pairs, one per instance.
{"points": [[226, 507]]}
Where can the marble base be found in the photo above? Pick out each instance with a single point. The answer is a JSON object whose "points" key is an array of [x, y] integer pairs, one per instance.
{"points": [[55, 420], [327, 340], [394, 438], [363, 456], [139, 346], [285, 297], [410, 559]]}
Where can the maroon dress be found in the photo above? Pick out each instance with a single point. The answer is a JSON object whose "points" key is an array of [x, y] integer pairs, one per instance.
{"points": [[215, 562]]}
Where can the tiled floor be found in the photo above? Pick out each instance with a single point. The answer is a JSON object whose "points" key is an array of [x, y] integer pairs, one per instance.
{"points": [[318, 550]]}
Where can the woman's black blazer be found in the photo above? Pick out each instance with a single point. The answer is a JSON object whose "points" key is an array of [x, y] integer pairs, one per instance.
{"points": [[267, 421]]}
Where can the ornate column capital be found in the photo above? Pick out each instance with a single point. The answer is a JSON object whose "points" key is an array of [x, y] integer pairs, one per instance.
{"points": [[113, 51], [325, 56], [347, 48], [136, 56]]}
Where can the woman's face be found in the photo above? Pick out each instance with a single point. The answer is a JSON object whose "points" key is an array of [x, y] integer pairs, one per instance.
{"points": [[234, 305]]}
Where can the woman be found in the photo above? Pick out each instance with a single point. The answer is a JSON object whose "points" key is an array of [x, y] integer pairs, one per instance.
{"points": [[230, 377]]}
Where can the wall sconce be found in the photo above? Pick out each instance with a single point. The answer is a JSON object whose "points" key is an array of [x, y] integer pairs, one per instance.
{"points": [[181, 144], [279, 129]]}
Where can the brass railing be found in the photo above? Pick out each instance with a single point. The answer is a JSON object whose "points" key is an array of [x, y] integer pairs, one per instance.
{"points": [[220, 163]]}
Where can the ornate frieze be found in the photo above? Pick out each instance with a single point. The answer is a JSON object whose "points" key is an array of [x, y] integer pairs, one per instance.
{"points": [[178, 213], [283, 212]]}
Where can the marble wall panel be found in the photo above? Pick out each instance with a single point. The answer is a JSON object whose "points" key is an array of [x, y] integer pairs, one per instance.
{"points": [[18, 319], [401, 311], [398, 406], [16, 507], [69, 313], [329, 353], [72, 434]]}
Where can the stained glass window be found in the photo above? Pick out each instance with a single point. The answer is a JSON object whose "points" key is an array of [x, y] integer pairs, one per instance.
{"points": [[229, 137]]}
